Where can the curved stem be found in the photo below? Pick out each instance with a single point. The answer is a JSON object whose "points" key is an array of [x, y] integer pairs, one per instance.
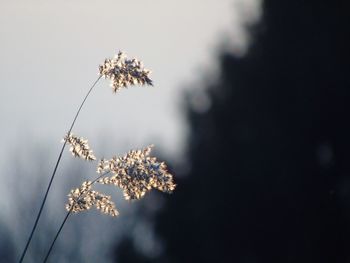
{"points": [[66, 218], [54, 172], [83, 102]]}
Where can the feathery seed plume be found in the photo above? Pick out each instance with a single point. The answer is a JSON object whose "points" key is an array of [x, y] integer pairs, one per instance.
{"points": [[79, 147], [136, 173], [83, 198], [124, 72]]}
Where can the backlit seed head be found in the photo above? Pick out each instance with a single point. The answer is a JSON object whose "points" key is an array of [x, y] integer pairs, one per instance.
{"points": [[136, 173], [79, 147], [124, 72]]}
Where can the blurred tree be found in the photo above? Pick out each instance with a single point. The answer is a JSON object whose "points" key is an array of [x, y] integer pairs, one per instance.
{"points": [[269, 148]]}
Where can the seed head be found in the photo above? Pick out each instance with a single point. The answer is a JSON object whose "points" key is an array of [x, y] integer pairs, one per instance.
{"points": [[79, 147], [136, 173], [124, 72], [83, 198]]}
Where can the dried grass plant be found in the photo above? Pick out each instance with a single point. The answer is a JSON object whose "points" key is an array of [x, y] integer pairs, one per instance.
{"points": [[136, 173]]}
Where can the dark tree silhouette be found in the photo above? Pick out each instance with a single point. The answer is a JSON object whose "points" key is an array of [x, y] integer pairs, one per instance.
{"points": [[269, 178]]}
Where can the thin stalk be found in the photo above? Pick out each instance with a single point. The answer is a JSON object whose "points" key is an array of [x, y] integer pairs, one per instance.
{"points": [[54, 172], [66, 218], [57, 234]]}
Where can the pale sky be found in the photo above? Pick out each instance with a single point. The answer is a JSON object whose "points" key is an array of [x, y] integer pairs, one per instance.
{"points": [[50, 51], [49, 56]]}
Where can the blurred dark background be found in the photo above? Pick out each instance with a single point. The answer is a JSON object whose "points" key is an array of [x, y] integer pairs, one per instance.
{"points": [[268, 149]]}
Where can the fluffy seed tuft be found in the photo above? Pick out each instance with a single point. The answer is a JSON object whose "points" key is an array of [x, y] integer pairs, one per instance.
{"points": [[83, 198], [79, 147], [136, 173], [124, 72]]}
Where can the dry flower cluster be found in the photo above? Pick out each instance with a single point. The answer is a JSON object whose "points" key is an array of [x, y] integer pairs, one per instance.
{"points": [[135, 173], [83, 198], [124, 72], [79, 147]]}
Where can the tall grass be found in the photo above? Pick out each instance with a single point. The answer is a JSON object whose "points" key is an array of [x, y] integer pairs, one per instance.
{"points": [[136, 173]]}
